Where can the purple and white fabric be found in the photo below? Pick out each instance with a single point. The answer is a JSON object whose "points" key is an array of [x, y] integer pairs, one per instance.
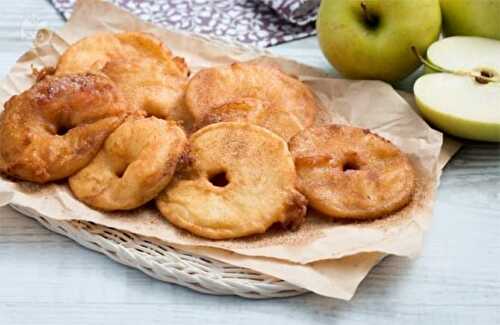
{"points": [[258, 22]]}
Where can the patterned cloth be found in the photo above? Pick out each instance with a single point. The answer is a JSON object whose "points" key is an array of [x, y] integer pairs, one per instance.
{"points": [[299, 12], [258, 22]]}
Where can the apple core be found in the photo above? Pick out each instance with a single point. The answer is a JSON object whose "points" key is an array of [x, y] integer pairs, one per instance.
{"points": [[485, 77]]}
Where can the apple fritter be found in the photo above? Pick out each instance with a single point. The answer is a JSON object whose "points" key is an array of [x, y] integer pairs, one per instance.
{"points": [[136, 163], [152, 79], [55, 128], [351, 173], [257, 94], [151, 87], [238, 180], [92, 53]]}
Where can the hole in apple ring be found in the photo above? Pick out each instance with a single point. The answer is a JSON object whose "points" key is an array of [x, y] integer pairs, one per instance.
{"points": [[62, 130], [351, 162], [119, 173], [219, 179], [350, 166]]}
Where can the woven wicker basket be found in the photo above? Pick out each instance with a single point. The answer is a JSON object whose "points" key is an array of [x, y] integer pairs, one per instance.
{"points": [[167, 263]]}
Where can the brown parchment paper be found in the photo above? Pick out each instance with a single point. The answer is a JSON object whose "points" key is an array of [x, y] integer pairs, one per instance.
{"points": [[369, 104], [336, 278]]}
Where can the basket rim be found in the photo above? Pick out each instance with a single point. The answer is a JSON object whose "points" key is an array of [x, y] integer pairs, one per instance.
{"points": [[168, 263]]}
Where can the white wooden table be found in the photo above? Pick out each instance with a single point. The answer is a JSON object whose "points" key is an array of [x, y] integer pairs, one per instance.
{"points": [[48, 279]]}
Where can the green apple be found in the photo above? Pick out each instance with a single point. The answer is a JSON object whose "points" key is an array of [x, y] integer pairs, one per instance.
{"points": [[463, 97], [471, 18], [372, 39]]}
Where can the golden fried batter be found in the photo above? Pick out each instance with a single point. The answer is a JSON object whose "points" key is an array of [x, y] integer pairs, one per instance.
{"points": [[56, 127], [257, 94], [347, 172], [240, 180], [151, 87], [151, 78], [94, 52], [136, 163]]}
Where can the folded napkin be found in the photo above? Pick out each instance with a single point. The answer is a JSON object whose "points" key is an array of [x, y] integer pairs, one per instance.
{"points": [[299, 12], [257, 22]]}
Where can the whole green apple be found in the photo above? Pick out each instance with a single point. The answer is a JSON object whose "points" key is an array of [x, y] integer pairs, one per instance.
{"points": [[372, 39], [471, 18]]}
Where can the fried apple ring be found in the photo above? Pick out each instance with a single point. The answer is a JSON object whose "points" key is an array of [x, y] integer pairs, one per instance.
{"points": [[55, 128], [240, 180], [135, 164], [151, 78], [257, 94], [151, 87], [351, 173], [94, 52]]}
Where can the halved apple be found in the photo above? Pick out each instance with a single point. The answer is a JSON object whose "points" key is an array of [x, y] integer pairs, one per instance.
{"points": [[463, 97]]}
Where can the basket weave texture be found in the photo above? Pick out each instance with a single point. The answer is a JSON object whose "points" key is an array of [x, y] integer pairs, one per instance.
{"points": [[167, 263]]}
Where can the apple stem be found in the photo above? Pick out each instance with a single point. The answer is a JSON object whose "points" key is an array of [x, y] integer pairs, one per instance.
{"points": [[479, 77], [428, 63], [368, 17]]}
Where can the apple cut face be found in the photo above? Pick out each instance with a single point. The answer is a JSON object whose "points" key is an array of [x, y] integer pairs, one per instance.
{"points": [[466, 53], [459, 103]]}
